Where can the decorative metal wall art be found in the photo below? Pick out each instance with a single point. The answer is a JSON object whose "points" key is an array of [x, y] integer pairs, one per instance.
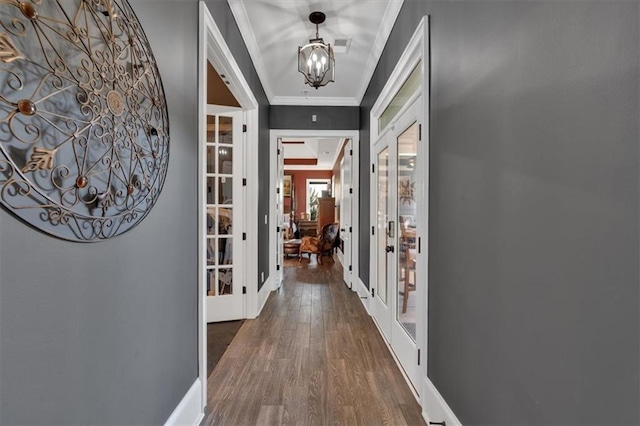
{"points": [[84, 130]]}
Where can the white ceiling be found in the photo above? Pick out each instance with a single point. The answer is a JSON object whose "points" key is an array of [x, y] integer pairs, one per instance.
{"points": [[274, 29], [326, 150]]}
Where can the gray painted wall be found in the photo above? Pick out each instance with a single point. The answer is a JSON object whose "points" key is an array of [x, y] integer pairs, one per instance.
{"points": [[533, 297], [106, 333], [296, 117]]}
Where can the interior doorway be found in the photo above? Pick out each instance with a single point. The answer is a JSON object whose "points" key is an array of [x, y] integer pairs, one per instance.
{"points": [[400, 209], [227, 200], [310, 192]]}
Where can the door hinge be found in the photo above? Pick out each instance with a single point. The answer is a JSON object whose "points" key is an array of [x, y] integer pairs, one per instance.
{"points": [[277, 190], [351, 229], [277, 229], [244, 128], [373, 168], [419, 245], [244, 181], [244, 236], [373, 292], [350, 152], [373, 230], [418, 356], [278, 151], [277, 267], [244, 290], [350, 268], [350, 190], [419, 132]]}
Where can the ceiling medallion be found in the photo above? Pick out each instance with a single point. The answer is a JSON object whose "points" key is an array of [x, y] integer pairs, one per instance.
{"points": [[84, 129], [315, 60]]}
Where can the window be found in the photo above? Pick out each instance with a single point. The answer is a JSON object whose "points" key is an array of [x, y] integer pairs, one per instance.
{"points": [[314, 191], [410, 86]]}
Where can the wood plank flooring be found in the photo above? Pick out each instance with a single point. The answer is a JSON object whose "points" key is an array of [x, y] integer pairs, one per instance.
{"points": [[314, 356]]}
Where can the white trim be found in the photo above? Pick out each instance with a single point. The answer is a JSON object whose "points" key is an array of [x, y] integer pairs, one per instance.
{"points": [[190, 410], [213, 48], [417, 51], [434, 407], [251, 202], [336, 155], [340, 257], [364, 293], [398, 363], [273, 187], [410, 57], [246, 31], [324, 101], [202, 221], [354, 135], [389, 20], [263, 295], [299, 167]]}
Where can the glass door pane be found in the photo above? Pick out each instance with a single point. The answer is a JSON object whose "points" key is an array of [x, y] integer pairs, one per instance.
{"points": [[219, 205], [383, 220], [407, 212]]}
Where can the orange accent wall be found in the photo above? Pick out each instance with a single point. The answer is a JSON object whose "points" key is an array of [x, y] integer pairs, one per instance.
{"points": [[299, 180]]}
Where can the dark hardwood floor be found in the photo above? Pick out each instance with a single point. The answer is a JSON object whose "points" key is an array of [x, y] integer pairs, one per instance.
{"points": [[219, 336], [313, 356]]}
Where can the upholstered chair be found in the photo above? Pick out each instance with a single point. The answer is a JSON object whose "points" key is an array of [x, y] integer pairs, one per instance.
{"points": [[323, 244]]}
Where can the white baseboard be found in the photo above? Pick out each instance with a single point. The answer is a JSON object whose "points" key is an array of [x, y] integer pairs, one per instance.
{"points": [[189, 410], [364, 294], [434, 407], [263, 295]]}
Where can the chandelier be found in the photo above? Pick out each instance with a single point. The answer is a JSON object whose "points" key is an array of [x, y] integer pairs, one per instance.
{"points": [[315, 60]]}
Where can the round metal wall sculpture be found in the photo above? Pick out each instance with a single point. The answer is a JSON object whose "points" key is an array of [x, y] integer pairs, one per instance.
{"points": [[84, 130]]}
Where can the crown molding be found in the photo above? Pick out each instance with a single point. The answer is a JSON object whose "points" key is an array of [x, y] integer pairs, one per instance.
{"points": [[242, 19], [246, 31], [323, 168], [302, 101], [388, 21]]}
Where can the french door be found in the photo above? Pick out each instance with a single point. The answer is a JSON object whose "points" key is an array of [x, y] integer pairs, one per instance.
{"points": [[224, 210], [280, 217], [345, 213], [397, 204]]}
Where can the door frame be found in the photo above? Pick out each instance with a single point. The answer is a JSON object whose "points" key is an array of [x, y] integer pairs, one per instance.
{"points": [[417, 51], [346, 199], [354, 135], [213, 48]]}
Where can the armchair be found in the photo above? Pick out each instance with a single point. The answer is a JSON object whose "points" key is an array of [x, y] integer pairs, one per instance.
{"points": [[322, 244]]}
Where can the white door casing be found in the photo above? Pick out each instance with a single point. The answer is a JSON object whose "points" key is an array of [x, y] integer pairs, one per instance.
{"points": [[416, 54], [345, 213], [224, 210], [213, 49], [354, 136], [279, 274]]}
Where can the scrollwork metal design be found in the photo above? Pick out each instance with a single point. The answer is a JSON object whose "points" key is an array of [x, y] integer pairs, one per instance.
{"points": [[84, 129]]}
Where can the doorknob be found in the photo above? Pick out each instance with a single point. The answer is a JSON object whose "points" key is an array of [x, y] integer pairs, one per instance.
{"points": [[390, 249]]}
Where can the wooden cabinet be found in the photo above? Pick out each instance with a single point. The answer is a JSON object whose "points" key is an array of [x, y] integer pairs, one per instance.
{"points": [[326, 211]]}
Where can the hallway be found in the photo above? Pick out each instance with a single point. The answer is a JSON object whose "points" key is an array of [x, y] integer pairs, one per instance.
{"points": [[313, 356]]}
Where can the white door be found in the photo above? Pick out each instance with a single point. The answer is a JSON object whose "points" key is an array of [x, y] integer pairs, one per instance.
{"points": [[383, 236], [346, 231], [279, 215], [397, 174], [224, 210]]}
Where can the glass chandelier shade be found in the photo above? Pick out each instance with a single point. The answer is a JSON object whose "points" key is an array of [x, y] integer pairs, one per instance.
{"points": [[315, 60]]}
